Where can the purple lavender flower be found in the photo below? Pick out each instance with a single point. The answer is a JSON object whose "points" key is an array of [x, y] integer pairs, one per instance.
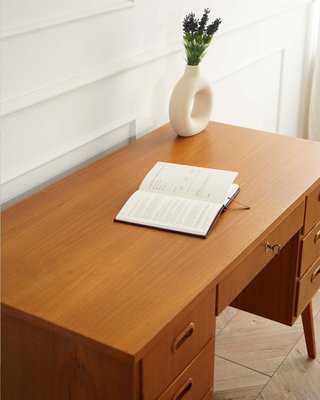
{"points": [[212, 28], [198, 35]]}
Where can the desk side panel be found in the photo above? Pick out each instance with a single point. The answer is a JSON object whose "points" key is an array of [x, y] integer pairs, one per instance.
{"points": [[39, 364]]}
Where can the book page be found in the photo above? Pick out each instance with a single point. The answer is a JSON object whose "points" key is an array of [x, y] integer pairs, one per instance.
{"points": [[205, 184], [234, 188], [169, 212]]}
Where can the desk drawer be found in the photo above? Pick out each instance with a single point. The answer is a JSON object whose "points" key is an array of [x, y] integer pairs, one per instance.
{"points": [[310, 249], [308, 286], [208, 396], [237, 280], [182, 341], [196, 380], [312, 210]]}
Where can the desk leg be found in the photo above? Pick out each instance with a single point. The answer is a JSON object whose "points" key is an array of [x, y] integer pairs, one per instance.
{"points": [[308, 327]]}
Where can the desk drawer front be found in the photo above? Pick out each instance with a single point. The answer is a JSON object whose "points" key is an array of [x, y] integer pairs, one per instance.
{"points": [[312, 210], [237, 280], [310, 249], [208, 396], [196, 380], [308, 286], [181, 342]]}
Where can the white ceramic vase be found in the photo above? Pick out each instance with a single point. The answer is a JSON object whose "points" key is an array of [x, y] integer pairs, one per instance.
{"points": [[191, 103]]}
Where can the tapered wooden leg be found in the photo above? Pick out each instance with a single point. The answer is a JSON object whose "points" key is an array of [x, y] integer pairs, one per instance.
{"points": [[308, 327]]}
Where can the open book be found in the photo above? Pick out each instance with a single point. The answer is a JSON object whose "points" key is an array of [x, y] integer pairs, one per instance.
{"points": [[180, 198]]}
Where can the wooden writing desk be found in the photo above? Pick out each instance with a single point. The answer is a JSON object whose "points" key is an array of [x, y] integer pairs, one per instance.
{"points": [[98, 310]]}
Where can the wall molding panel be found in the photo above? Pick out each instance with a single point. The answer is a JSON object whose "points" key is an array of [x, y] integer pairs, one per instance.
{"points": [[266, 92], [65, 19], [73, 146], [244, 66], [248, 64], [59, 88], [241, 67], [77, 82], [71, 155], [75, 92], [281, 7], [279, 96]]}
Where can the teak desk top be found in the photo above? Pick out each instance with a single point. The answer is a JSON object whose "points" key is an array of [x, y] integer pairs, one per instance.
{"points": [[66, 264]]}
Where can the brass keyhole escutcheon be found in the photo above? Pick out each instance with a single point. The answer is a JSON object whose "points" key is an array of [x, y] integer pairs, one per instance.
{"points": [[276, 248]]}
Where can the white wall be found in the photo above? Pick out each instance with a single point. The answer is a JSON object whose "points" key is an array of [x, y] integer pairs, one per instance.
{"points": [[81, 76]]}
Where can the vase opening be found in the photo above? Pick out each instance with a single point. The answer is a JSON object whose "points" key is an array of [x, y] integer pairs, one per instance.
{"points": [[201, 104]]}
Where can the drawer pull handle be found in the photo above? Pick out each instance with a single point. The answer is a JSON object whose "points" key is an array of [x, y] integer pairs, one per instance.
{"points": [[182, 337], [317, 238], [315, 274], [186, 387], [276, 248]]}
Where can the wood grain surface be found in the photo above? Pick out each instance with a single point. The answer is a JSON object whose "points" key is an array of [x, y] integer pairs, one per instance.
{"points": [[310, 248], [162, 357], [312, 210], [271, 294], [308, 285], [38, 364], [238, 280], [198, 376], [308, 328], [67, 263]]}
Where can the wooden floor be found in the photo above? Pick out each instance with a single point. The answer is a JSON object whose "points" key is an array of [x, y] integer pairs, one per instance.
{"points": [[264, 360]]}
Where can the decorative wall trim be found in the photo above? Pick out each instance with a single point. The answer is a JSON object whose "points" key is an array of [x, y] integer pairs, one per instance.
{"points": [[279, 99], [281, 6], [64, 19], [230, 25], [72, 147], [252, 62], [243, 66], [59, 88]]}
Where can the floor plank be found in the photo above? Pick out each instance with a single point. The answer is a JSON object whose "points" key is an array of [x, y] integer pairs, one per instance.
{"points": [[224, 318], [256, 342], [234, 382], [259, 343], [295, 376], [298, 378]]}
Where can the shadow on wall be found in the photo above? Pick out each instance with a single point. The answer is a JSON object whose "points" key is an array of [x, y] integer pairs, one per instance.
{"points": [[157, 81]]}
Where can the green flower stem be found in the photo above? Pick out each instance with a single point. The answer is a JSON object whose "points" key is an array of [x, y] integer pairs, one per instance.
{"points": [[197, 35], [195, 45]]}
